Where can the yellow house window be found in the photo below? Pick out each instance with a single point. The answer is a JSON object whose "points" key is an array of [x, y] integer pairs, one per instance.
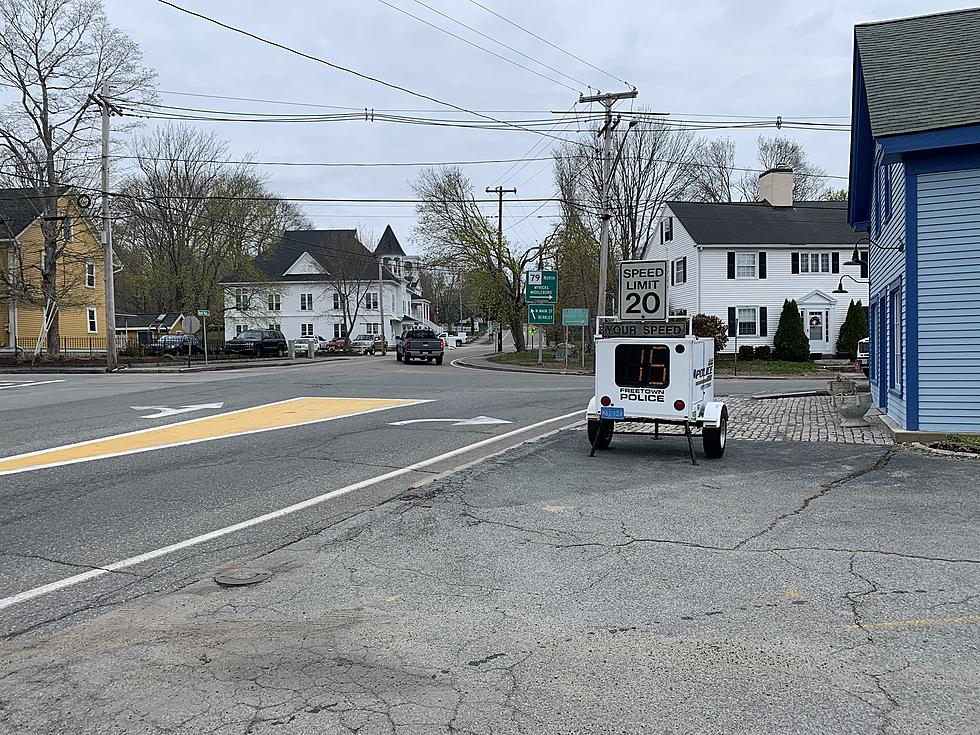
{"points": [[90, 275], [93, 325]]}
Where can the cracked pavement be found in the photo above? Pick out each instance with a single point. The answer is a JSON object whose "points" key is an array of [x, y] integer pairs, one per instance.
{"points": [[784, 589]]}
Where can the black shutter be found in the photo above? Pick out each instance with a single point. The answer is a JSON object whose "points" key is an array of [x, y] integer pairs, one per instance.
{"points": [[762, 265], [796, 263], [672, 279], [661, 232], [835, 262], [731, 264], [731, 321], [684, 260], [864, 264], [763, 321]]}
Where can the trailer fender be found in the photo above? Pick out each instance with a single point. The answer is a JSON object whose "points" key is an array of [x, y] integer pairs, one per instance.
{"points": [[711, 417], [592, 411]]}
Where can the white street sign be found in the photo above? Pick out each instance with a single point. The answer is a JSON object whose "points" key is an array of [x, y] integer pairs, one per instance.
{"points": [[164, 411], [475, 421], [643, 290]]}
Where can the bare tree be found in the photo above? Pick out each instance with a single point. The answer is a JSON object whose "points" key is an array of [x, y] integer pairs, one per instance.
{"points": [[457, 235], [713, 175], [55, 54], [352, 274], [810, 180]]}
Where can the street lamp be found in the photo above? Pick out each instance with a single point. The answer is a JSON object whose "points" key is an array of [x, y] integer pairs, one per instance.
{"points": [[840, 285], [856, 255]]}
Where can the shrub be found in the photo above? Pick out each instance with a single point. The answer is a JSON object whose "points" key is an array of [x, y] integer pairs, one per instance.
{"points": [[790, 342], [853, 330], [706, 325], [746, 352], [763, 352]]}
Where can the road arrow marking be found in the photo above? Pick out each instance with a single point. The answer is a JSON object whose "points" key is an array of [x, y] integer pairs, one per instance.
{"points": [[164, 411], [475, 421]]}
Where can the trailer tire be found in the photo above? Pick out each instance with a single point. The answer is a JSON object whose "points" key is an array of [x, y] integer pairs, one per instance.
{"points": [[604, 430], [715, 439]]}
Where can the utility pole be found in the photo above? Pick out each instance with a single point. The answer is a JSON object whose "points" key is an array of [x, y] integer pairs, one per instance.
{"points": [[499, 191], [607, 101], [381, 304], [107, 109]]}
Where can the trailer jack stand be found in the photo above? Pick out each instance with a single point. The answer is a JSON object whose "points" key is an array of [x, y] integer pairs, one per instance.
{"points": [[690, 442]]}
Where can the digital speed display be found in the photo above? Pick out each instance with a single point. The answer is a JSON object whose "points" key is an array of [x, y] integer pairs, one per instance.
{"points": [[642, 366]]}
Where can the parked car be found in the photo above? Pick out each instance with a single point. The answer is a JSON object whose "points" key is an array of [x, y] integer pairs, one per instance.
{"points": [[302, 344], [258, 342], [420, 344], [337, 344], [176, 344], [368, 344], [452, 342], [864, 355]]}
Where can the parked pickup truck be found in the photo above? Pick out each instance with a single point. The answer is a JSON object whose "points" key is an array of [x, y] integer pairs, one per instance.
{"points": [[419, 344]]}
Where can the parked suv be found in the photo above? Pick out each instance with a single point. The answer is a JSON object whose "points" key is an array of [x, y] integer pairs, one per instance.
{"points": [[258, 342], [368, 344], [176, 344]]}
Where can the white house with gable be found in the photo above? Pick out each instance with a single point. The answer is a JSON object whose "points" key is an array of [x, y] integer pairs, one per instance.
{"points": [[328, 284], [741, 261]]}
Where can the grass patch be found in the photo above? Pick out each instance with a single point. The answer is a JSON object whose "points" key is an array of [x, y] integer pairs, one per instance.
{"points": [[767, 367], [529, 358], [960, 439]]}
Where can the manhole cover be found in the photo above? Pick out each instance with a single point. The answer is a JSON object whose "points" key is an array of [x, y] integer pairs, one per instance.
{"points": [[238, 577]]}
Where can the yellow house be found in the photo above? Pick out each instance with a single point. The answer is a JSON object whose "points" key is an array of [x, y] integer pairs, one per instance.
{"points": [[79, 281]]}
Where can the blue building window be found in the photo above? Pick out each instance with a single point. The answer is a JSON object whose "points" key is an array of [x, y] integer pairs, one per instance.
{"points": [[895, 340]]}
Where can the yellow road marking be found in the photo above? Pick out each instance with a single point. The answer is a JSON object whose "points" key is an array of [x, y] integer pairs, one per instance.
{"points": [[893, 624], [268, 417]]}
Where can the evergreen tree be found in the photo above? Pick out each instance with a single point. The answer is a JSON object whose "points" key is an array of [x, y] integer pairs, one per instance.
{"points": [[790, 342], [853, 330]]}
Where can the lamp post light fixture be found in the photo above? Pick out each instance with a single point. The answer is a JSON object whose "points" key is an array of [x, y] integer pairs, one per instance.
{"points": [[840, 285], [856, 255]]}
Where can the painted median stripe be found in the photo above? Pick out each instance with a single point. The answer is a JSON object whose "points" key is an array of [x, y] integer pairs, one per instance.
{"points": [[272, 515], [268, 417]]}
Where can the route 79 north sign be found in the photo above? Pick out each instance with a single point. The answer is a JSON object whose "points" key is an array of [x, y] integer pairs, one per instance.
{"points": [[643, 290]]}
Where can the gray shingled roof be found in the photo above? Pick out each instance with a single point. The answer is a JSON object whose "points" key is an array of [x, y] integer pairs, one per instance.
{"points": [[339, 252], [389, 245], [146, 320], [921, 73], [758, 223], [18, 209]]}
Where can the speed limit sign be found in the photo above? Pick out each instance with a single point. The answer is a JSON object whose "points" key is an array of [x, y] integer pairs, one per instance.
{"points": [[643, 290]]}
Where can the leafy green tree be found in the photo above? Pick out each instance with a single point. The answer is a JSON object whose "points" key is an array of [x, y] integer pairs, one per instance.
{"points": [[790, 342], [853, 330]]}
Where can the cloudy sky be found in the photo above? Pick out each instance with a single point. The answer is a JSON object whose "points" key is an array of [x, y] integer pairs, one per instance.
{"points": [[726, 59]]}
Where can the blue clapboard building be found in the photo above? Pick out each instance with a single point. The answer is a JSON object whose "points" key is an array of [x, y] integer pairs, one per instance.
{"points": [[915, 192]]}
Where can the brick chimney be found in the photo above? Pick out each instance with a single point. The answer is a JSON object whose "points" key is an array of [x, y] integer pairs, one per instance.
{"points": [[776, 186]]}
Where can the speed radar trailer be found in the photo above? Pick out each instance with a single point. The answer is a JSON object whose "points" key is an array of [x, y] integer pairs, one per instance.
{"points": [[654, 372]]}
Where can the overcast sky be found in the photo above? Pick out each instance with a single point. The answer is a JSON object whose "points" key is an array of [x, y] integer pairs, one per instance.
{"points": [[714, 58]]}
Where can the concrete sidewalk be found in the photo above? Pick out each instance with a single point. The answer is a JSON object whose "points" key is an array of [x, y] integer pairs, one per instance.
{"points": [[784, 589]]}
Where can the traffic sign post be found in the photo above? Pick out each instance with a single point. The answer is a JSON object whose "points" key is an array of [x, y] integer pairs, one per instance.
{"points": [[541, 286], [643, 290], [575, 318], [204, 314], [190, 325]]}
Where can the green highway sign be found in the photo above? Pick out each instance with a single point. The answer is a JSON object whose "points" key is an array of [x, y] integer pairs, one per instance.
{"points": [[203, 312], [540, 313], [541, 286], [575, 317]]}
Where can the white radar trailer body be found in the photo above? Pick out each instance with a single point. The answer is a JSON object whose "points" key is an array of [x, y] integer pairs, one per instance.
{"points": [[655, 373]]}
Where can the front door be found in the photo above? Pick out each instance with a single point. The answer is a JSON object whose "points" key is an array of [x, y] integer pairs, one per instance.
{"points": [[817, 331]]}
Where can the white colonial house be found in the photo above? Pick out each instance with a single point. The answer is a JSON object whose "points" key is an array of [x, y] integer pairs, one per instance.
{"points": [[741, 261], [326, 282]]}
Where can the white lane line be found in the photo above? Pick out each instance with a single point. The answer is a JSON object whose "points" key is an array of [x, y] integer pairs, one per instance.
{"points": [[27, 385], [271, 516]]}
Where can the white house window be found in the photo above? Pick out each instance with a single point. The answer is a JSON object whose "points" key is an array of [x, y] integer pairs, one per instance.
{"points": [[370, 300], [746, 265], [668, 229], [93, 324], [275, 327], [239, 328], [748, 320], [814, 262], [90, 275], [306, 302], [305, 330], [241, 299], [680, 271], [336, 302], [337, 331], [372, 328], [275, 302]]}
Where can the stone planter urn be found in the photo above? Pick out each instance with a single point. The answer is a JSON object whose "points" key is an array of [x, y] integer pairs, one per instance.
{"points": [[851, 401]]}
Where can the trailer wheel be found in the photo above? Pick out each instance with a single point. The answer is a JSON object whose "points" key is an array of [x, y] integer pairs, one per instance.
{"points": [[604, 430], [716, 439]]}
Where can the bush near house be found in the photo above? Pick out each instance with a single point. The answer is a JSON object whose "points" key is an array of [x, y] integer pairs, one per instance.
{"points": [[790, 342], [706, 325], [853, 330], [763, 352], [746, 352]]}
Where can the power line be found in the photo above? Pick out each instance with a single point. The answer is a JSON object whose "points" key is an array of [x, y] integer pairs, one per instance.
{"points": [[338, 67], [476, 45], [554, 46]]}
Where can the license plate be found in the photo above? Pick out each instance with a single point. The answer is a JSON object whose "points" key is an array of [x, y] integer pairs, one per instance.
{"points": [[612, 413]]}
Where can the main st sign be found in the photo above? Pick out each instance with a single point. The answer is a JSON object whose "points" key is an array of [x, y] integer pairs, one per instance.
{"points": [[643, 290]]}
